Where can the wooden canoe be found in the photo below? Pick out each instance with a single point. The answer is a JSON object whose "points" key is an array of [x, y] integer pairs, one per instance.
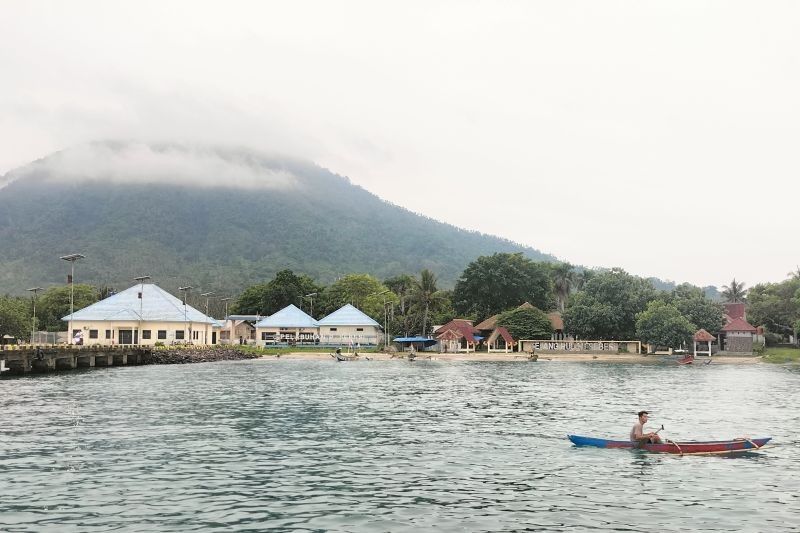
{"points": [[711, 447]]}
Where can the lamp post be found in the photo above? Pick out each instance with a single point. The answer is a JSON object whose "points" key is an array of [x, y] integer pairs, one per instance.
{"points": [[140, 279], [226, 307], [185, 290], [206, 294], [72, 258], [385, 335], [34, 290], [310, 296], [205, 333]]}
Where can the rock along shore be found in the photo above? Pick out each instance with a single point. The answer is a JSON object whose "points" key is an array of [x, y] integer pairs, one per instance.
{"points": [[190, 355]]}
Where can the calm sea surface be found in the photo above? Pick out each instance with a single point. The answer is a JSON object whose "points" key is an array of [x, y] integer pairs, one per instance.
{"points": [[393, 446]]}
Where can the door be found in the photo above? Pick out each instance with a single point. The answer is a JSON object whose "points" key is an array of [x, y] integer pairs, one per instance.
{"points": [[213, 337], [125, 336]]}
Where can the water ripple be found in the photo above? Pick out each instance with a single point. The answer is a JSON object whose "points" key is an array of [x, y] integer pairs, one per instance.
{"points": [[389, 446]]}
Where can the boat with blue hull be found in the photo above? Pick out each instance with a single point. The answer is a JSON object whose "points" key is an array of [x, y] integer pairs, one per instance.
{"points": [[713, 447]]}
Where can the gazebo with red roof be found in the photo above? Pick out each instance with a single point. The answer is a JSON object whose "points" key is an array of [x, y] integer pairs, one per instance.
{"points": [[703, 336], [458, 335], [500, 341]]}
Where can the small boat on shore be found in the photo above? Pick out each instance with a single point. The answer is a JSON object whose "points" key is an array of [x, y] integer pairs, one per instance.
{"points": [[686, 360], [713, 447]]}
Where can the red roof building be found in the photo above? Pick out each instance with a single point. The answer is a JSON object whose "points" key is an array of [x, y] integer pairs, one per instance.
{"points": [[738, 325], [458, 335]]}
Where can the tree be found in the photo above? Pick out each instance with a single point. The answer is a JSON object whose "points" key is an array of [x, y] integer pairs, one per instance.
{"points": [[267, 298], [53, 304], [663, 325], [735, 292], [563, 276], [776, 306], [15, 317], [607, 306], [360, 290], [692, 302], [493, 283], [403, 319], [425, 296], [526, 323]]}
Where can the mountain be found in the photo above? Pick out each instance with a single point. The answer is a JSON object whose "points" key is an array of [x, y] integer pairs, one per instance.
{"points": [[218, 219]]}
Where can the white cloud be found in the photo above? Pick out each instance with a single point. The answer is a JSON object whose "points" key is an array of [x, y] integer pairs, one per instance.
{"points": [[655, 136], [141, 163]]}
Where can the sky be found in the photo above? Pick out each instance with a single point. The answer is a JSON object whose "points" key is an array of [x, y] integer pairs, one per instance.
{"points": [[660, 137]]}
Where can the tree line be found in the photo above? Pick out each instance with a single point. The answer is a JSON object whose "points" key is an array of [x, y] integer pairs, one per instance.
{"points": [[595, 304]]}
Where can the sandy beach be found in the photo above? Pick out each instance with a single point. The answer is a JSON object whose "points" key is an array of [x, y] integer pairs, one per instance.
{"points": [[543, 358]]}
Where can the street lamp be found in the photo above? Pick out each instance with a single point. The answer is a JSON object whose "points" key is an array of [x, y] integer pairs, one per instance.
{"points": [[185, 290], [140, 279], [205, 334], [385, 317], [310, 296], [206, 294], [34, 290], [226, 307], [72, 258]]}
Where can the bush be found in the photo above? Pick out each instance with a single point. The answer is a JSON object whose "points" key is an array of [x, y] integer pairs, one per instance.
{"points": [[526, 323], [773, 339]]}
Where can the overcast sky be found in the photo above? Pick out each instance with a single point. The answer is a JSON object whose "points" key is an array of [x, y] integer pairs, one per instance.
{"points": [[661, 137]]}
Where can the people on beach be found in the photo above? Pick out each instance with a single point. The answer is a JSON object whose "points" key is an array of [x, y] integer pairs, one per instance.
{"points": [[638, 434]]}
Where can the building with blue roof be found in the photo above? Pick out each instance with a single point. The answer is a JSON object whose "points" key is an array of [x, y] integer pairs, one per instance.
{"points": [[289, 325], [143, 314], [348, 325]]}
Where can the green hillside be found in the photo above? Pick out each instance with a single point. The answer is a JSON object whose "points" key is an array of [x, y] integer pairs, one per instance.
{"points": [[219, 236]]}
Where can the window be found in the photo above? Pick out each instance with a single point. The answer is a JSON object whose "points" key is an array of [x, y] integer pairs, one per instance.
{"points": [[333, 329], [145, 334], [162, 334], [195, 335], [108, 333], [359, 329], [92, 333], [178, 334]]}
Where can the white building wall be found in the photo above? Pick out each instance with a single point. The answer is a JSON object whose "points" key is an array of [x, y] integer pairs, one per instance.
{"points": [[107, 333], [344, 334]]}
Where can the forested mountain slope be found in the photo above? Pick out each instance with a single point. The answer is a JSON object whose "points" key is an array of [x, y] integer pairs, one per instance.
{"points": [[215, 218]]}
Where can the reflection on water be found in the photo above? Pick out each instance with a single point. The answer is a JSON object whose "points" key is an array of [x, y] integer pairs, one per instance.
{"points": [[392, 446]]}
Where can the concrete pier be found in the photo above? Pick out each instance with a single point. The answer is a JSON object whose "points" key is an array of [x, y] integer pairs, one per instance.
{"points": [[49, 358]]}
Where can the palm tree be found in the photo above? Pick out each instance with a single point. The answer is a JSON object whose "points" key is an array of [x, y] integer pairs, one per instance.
{"points": [[425, 295], [735, 292], [564, 280]]}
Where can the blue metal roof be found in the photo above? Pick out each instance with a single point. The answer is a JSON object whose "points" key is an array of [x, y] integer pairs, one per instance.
{"points": [[288, 317], [348, 315], [424, 340], [156, 304]]}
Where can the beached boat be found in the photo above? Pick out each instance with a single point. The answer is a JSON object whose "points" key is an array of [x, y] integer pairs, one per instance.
{"points": [[711, 447], [344, 357], [686, 360]]}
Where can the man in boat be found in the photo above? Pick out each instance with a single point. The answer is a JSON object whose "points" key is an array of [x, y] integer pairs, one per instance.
{"points": [[637, 432]]}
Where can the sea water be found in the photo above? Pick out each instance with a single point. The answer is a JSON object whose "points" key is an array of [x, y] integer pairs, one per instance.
{"points": [[302, 445]]}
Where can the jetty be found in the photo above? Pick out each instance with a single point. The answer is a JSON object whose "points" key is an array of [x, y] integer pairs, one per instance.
{"points": [[24, 359]]}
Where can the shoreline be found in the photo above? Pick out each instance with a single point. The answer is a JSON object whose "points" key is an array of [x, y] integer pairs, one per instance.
{"points": [[543, 358]]}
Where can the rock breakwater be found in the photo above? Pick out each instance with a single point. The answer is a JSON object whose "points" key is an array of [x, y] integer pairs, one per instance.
{"points": [[190, 355]]}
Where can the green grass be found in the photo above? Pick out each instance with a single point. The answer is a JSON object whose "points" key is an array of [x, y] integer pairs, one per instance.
{"points": [[300, 349], [782, 355]]}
